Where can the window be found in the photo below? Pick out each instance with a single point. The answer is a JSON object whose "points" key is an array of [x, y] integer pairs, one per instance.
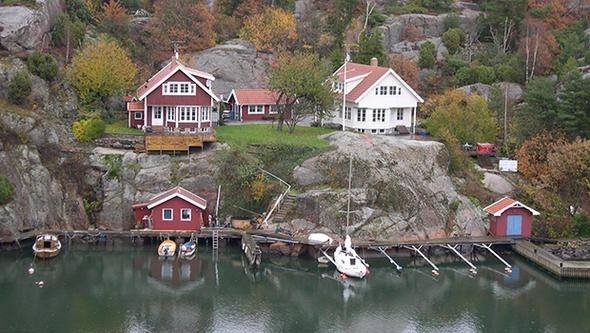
{"points": [[167, 214], [383, 90], [138, 115], [157, 112], [256, 109], [373, 131], [185, 214], [361, 114], [376, 90], [272, 108], [400, 114], [178, 88], [391, 90], [348, 113], [170, 113], [205, 113], [399, 90], [381, 131], [378, 115], [193, 113]]}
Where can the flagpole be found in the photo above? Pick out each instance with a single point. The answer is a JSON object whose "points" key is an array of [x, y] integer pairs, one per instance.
{"points": [[344, 94]]}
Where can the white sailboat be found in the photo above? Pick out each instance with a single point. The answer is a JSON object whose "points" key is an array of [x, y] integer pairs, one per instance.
{"points": [[346, 260]]}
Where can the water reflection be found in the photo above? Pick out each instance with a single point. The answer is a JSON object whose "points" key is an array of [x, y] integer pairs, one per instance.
{"points": [[134, 291]]}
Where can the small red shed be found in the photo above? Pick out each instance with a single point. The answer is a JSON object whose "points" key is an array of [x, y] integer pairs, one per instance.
{"points": [[509, 217], [175, 209]]}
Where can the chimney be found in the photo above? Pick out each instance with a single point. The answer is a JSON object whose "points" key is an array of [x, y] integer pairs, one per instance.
{"points": [[374, 62]]}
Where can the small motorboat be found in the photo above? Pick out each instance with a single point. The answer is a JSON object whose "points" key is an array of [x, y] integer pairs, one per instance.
{"points": [[167, 249], [46, 246], [188, 249], [318, 238]]}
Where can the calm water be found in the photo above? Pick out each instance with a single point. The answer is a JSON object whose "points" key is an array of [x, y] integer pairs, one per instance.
{"points": [[132, 291]]}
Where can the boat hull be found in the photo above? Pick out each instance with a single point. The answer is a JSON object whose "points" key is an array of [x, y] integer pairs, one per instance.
{"points": [[167, 249], [46, 246]]}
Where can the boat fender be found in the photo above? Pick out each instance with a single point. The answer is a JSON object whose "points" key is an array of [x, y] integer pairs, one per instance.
{"points": [[343, 276], [40, 284], [31, 270]]}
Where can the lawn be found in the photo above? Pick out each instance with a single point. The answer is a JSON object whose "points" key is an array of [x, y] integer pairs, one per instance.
{"points": [[120, 127], [241, 136]]}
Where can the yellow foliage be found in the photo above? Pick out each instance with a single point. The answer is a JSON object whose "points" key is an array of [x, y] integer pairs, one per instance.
{"points": [[259, 188], [272, 30], [101, 69]]}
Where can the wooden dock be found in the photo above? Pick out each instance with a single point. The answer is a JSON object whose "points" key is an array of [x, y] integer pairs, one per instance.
{"points": [[173, 142], [552, 263]]}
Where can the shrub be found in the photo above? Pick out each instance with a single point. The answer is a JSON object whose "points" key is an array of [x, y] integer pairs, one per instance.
{"points": [[453, 39], [19, 87], [464, 76], [43, 65], [6, 190], [451, 21], [88, 129], [79, 10], [427, 55], [484, 74], [582, 223], [67, 30]]}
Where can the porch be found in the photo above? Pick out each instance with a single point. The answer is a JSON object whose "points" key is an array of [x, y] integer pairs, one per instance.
{"points": [[165, 140]]}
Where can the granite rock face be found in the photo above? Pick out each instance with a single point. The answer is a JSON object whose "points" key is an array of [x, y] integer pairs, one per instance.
{"points": [[400, 190]]}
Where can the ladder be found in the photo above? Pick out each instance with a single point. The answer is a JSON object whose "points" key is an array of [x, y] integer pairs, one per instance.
{"points": [[215, 239]]}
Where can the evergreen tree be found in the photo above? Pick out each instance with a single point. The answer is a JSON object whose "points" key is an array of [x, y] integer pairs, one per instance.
{"points": [[574, 106], [539, 110], [427, 57], [370, 46]]}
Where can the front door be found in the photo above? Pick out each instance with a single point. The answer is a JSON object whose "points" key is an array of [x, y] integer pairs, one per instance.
{"points": [[157, 116], [514, 226]]}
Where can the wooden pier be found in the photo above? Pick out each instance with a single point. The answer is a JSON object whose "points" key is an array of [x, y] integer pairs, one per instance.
{"points": [[173, 142], [552, 263]]}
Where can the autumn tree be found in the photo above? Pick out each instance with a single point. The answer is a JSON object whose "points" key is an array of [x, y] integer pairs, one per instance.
{"points": [[406, 68], [467, 117], [537, 47], [554, 13], [186, 22], [275, 29], [300, 82], [101, 69], [230, 15], [114, 18]]}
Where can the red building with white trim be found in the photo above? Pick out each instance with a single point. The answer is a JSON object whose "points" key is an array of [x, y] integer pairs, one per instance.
{"points": [[175, 209], [509, 217], [252, 104], [176, 97]]}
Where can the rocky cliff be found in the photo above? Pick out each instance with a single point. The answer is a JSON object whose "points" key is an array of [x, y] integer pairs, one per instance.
{"points": [[400, 189]]}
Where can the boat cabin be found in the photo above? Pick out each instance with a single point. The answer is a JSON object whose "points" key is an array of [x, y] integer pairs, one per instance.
{"points": [[509, 217], [175, 209]]}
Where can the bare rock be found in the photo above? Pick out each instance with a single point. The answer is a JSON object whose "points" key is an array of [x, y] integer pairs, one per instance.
{"points": [[497, 184], [307, 173], [241, 224]]}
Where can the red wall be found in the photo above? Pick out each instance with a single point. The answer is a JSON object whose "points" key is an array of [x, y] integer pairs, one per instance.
{"points": [[266, 116], [176, 224], [201, 98], [135, 122], [498, 224]]}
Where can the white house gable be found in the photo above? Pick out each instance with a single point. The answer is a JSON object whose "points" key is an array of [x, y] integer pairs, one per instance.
{"points": [[388, 92]]}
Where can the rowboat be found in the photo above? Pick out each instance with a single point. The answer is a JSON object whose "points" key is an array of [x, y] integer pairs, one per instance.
{"points": [[46, 246], [167, 248], [188, 249]]}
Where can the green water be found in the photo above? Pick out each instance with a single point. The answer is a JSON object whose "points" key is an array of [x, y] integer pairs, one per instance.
{"points": [[131, 290]]}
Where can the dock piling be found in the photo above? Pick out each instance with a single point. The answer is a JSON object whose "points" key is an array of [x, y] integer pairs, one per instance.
{"points": [[391, 261], [454, 250], [435, 269], [508, 267]]}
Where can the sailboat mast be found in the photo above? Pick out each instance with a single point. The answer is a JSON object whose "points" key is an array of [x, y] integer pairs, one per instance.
{"points": [[349, 186]]}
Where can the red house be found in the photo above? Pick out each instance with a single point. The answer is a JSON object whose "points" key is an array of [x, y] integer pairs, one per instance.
{"points": [[509, 217], [252, 104], [176, 97], [175, 209]]}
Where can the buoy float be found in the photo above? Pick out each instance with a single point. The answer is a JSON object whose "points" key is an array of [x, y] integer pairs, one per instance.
{"points": [[435, 272], [40, 284], [473, 271], [31, 270], [508, 270]]}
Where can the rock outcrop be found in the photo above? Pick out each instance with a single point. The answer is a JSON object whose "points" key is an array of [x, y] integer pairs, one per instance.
{"points": [[235, 64], [24, 28], [513, 90], [400, 190]]}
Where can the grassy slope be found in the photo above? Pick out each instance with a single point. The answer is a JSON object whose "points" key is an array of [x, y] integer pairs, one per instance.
{"points": [[120, 127], [240, 137]]}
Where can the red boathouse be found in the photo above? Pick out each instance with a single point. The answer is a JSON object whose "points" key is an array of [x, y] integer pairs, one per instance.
{"points": [[509, 217], [252, 104], [175, 209]]}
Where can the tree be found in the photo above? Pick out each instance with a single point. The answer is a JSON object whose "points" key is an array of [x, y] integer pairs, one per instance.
{"points": [[68, 32], [538, 47], [539, 109], [468, 118], [501, 17], [101, 69], [43, 65], [185, 22], [274, 29], [554, 13], [86, 130], [406, 68], [300, 82], [453, 39], [370, 46], [114, 18], [78, 9], [574, 105], [427, 57], [6, 190], [19, 88], [484, 74]]}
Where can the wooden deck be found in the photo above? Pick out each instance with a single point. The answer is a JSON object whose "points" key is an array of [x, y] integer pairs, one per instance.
{"points": [[173, 142]]}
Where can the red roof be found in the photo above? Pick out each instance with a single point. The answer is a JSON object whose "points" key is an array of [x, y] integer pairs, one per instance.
{"points": [[498, 207], [135, 106], [172, 67], [371, 75], [255, 96], [177, 192]]}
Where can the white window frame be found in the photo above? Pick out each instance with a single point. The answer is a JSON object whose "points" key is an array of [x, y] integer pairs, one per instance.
{"points": [[383, 90], [361, 114], [378, 115], [164, 214], [182, 210], [155, 110], [376, 90], [205, 113], [170, 113], [400, 114], [273, 109], [138, 113], [392, 90], [348, 114], [255, 109], [178, 88]]}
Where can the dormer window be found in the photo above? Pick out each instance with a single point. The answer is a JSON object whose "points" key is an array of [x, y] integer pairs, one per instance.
{"points": [[178, 88]]}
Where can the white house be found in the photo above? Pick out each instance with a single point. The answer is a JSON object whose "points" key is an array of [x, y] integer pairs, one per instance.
{"points": [[377, 99]]}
